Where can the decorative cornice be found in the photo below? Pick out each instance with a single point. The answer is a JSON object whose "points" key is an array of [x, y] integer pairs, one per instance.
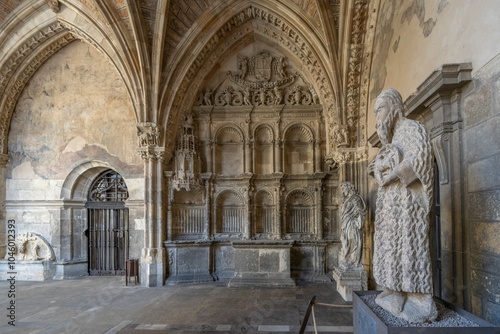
{"points": [[446, 78]]}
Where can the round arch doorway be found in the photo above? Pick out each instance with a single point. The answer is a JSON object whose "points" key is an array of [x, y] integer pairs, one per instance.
{"points": [[107, 231]]}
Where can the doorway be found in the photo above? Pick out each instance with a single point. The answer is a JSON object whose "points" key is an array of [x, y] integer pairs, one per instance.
{"points": [[108, 225]]}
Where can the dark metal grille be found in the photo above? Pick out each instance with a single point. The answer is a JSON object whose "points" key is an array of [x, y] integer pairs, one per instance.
{"points": [[108, 187], [107, 225]]}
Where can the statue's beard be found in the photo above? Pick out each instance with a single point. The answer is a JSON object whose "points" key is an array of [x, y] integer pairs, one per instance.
{"points": [[384, 129]]}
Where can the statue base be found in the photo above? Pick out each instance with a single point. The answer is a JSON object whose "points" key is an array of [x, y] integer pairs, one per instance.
{"points": [[27, 270], [349, 280], [365, 320]]}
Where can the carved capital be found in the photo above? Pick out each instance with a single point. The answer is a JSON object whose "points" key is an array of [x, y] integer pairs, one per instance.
{"points": [[148, 134], [153, 153]]}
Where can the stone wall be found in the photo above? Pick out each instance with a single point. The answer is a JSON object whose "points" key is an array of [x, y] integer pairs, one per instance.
{"points": [[73, 120], [482, 197]]}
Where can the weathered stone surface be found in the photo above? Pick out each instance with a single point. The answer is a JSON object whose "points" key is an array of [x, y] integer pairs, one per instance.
{"points": [[403, 170], [479, 106], [484, 205], [475, 138], [483, 174], [485, 285]]}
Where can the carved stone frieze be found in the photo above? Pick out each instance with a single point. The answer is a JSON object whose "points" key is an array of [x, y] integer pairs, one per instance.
{"points": [[260, 80]]}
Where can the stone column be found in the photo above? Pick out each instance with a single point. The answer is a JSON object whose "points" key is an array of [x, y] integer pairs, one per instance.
{"points": [[319, 209], [277, 212], [278, 152], [169, 206], [4, 158], [208, 197], [152, 263], [248, 157]]}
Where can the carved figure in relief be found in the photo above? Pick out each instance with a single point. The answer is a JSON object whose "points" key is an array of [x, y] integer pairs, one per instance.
{"points": [[352, 219], [207, 97], [246, 96], [403, 170], [32, 247], [148, 134], [280, 67], [278, 95], [297, 95], [228, 96], [262, 96], [243, 66]]}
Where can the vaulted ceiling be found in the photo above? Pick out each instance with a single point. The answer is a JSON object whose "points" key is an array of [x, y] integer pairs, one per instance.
{"points": [[164, 49]]}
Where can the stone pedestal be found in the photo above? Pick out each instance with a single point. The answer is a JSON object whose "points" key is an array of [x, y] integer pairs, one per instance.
{"points": [[262, 264], [152, 267], [349, 280], [189, 262], [28, 270], [366, 321], [71, 269]]}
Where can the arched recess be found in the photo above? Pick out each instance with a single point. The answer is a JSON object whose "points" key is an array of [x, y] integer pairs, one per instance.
{"points": [[264, 214], [230, 215], [263, 150], [236, 26], [189, 214], [229, 151], [298, 150], [299, 214]]}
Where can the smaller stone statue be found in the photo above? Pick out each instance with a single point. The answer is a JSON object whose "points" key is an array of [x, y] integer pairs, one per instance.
{"points": [[350, 275], [352, 219]]}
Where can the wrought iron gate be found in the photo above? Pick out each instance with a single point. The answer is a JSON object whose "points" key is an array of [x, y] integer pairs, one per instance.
{"points": [[107, 225]]}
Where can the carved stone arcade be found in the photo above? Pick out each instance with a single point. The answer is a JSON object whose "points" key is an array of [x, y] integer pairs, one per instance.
{"points": [[266, 187]]}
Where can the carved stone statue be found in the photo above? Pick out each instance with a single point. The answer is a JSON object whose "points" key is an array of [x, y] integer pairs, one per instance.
{"points": [[352, 219], [403, 170], [32, 247]]}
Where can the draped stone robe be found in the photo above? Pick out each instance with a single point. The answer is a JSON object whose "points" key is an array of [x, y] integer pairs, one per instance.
{"points": [[401, 260]]}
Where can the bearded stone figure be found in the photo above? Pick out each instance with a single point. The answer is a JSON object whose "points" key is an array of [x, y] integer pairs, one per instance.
{"points": [[403, 171], [352, 219]]}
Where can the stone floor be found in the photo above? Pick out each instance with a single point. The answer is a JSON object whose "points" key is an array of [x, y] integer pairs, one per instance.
{"points": [[107, 305]]}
